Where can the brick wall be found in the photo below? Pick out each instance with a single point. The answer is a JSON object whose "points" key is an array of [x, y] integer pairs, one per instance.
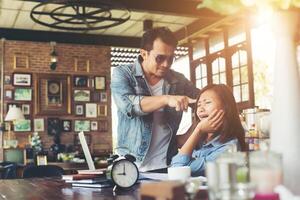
{"points": [[37, 55]]}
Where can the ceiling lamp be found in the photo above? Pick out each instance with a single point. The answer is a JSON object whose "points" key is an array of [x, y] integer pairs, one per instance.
{"points": [[79, 15]]}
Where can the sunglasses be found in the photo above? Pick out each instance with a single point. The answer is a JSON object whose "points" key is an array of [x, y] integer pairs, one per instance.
{"points": [[159, 58]]}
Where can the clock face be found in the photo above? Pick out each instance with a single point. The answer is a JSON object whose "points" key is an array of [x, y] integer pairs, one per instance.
{"points": [[124, 173], [53, 88]]}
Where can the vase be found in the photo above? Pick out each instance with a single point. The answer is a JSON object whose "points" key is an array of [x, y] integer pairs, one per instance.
{"points": [[285, 125]]}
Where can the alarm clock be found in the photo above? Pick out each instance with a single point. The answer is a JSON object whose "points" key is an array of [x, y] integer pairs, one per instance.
{"points": [[122, 171]]}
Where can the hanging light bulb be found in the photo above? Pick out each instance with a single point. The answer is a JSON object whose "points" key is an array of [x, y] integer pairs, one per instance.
{"points": [[53, 55]]}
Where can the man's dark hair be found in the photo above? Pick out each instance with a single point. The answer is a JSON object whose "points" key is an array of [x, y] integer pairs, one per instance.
{"points": [[160, 32]]}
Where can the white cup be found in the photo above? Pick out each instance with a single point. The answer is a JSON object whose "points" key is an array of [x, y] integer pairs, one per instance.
{"points": [[179, 173]]}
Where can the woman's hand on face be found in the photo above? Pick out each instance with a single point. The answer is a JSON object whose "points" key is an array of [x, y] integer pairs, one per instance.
{"points": [[211, 123]]}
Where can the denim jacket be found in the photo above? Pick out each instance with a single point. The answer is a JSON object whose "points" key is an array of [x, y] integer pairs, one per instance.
{"points": [[206, 152], [129, 86]]}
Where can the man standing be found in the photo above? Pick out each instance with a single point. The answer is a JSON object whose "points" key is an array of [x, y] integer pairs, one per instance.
{"points": [[150, 98]]}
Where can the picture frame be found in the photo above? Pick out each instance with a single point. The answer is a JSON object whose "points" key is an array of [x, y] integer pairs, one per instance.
{"points": [[39, 125], [103, 125], [53, 126], [22, 125], [25, 109], [100, 82], [7, 79], [41, 159], [94, 125], [103, 97], [23, 94], [53, 94], [82, 125], [66, 125], [79, 109], [82, 95], [91, 110], [8, 94], [22, 79], [102, 110], [80, 81]]}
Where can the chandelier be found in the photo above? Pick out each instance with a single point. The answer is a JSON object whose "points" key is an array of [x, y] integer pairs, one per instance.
{"points": [[79, 15]]}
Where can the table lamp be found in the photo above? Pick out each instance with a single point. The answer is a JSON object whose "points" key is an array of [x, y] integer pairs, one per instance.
{"points": [[14, 113]]}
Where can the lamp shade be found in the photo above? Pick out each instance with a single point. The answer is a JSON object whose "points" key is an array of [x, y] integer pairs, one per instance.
{"points": [[13, 114]]}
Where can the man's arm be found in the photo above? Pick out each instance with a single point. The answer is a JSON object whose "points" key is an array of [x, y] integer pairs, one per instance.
{"points": [[153, 103]]}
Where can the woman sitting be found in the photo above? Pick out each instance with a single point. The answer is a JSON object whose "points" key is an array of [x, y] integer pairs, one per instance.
{"points": [[217, 127]]}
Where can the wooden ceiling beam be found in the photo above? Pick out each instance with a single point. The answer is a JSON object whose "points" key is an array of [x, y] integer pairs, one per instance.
{"points": [[68, 37]]}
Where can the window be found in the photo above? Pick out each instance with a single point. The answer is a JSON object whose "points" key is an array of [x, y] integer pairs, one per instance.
{"points": [[227, 60]]}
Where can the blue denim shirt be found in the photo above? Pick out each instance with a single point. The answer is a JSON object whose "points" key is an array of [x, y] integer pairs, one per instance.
{"points": [[206, 152], [129, 87]]}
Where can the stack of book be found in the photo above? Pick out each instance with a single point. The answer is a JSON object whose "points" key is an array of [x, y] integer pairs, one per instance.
{"points": [[88, 178]]}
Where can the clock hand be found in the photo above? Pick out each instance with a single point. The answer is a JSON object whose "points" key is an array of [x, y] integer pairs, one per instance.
{"points": [[124, 169]]}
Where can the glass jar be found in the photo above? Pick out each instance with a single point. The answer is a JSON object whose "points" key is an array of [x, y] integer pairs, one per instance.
{"points": [[265, 170]]}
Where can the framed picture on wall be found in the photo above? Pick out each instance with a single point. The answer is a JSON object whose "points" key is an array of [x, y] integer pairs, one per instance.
{"points": [[8, 94], [80, 81], [39, 124], [91, 110], [100, 82], [103, 97], [82, 125], [22, 79], [66, 125], [82, 95], [25, 109], [23, 94], [54, 126], [22, 125], [79, 109], [94, 125], [7, 79], [102, 110]]}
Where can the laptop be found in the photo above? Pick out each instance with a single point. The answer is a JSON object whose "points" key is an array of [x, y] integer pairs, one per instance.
{"points": [[88, 157]]}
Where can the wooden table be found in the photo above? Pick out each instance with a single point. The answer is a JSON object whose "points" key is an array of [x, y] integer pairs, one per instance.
{"points": [[55, 188]]}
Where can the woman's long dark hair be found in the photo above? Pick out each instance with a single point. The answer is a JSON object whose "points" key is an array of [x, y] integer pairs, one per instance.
{"points": [[232, 127]]}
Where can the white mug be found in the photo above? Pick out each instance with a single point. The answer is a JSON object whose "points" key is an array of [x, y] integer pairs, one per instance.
{"points": [[179, 173]]}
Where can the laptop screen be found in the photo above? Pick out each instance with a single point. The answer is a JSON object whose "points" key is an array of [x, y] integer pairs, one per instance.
{"points": [[86, 151]]}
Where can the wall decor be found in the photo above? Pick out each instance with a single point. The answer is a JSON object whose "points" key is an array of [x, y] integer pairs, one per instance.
{"points": [[100, 83], [91, 110], [22, 79], [79, 109], [54, 126], [82, 125], [103, 125], [102, 110], [80, 81], [39, 124], [82, 95], [103, 97], [7, 79], [94, 125], [25, 109], [8, 94], [23, 94], [66, 125], [52, 94], [22, 125], [21, 61]]}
